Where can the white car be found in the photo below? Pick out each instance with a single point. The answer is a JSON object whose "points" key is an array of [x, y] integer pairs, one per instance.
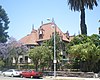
{"points": [[11, 72], [0, 72]]}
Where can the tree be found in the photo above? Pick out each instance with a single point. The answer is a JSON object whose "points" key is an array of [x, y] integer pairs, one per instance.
{"points": [[1, 64], [3, 54], [79, 5], [4, 21], [41, 57], [15, 49], [10, 50], [60, 48], [80, 39], [3, 51], [85, 52], [95, 39], [87, 55]]}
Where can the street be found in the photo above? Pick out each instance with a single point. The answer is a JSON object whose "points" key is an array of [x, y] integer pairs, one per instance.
{"points": [[17, 78], [47, 78]]}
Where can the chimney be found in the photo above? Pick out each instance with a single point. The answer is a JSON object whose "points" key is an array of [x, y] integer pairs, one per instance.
{"points": [[32, 26], [41, 22]]}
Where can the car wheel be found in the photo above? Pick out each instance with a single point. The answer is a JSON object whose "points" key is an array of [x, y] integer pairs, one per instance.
{"points": [[31, 76], [12, 75], [4, 75], [21, 76]]}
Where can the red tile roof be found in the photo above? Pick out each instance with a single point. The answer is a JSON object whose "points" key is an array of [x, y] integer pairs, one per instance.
{"points": [[30, 38], [46, 30]]}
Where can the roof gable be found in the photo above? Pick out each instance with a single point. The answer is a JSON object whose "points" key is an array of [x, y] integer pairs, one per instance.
{"points": [[43, 33]]}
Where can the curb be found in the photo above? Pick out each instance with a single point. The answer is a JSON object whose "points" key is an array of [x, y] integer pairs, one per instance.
{"points": [[67, 78]]}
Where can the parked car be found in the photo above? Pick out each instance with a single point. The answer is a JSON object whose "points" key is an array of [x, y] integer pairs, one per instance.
{"points": [[11, 72], [31, 74], [0, 72], [99, 74]]}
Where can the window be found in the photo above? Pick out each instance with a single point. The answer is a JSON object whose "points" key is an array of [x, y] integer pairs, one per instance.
{"points": [[21, 60], [10, 70], [40, 34], [26, 58]]}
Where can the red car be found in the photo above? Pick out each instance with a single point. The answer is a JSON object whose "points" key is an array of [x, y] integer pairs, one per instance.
{"points": [[31, 74]]}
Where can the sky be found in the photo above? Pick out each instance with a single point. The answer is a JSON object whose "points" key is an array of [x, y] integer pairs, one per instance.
{"points": [[25, 13]]}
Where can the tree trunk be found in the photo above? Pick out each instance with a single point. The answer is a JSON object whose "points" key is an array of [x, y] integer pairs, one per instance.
{"points": [[16, 62], [82, 24], [36, 65]]}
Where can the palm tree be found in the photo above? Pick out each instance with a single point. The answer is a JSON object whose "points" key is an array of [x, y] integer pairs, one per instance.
{"points": [[80, 5]]}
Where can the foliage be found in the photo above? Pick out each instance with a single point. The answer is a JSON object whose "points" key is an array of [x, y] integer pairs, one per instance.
{"points": [[85, 52], [80, 5], [3, 51], [95, 39], [15, 49], [81, 39], [60, 46], [1, 63], [4, 21], [41, 57], [76, 5]]}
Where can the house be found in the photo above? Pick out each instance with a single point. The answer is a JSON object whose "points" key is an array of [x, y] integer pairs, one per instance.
{"points": [[44, 32]]}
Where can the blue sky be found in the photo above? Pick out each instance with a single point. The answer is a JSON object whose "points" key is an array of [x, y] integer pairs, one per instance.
{"points": [[24, 13]]}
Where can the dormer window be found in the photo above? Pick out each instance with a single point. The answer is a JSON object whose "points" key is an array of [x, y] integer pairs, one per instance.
{"points": [[40, 34]]}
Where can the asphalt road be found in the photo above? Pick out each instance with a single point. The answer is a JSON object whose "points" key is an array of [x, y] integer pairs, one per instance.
{"points": [[16, 78], [48, 78]]}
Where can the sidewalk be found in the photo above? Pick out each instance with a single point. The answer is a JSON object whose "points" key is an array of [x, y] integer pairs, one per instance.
{"points": [[68, 78]]}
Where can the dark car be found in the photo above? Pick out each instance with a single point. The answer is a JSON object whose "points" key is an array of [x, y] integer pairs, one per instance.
{"points": [[99, 74], [31, 74]]}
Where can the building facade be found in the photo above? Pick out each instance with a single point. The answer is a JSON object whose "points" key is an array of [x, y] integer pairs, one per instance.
{"points": [[44, 32]]}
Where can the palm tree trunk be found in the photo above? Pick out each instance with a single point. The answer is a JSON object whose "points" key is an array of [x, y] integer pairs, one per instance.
{"points": [[82, 24]]}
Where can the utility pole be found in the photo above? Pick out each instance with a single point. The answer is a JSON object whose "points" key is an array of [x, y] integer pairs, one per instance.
{"points": [[55, 61]]}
